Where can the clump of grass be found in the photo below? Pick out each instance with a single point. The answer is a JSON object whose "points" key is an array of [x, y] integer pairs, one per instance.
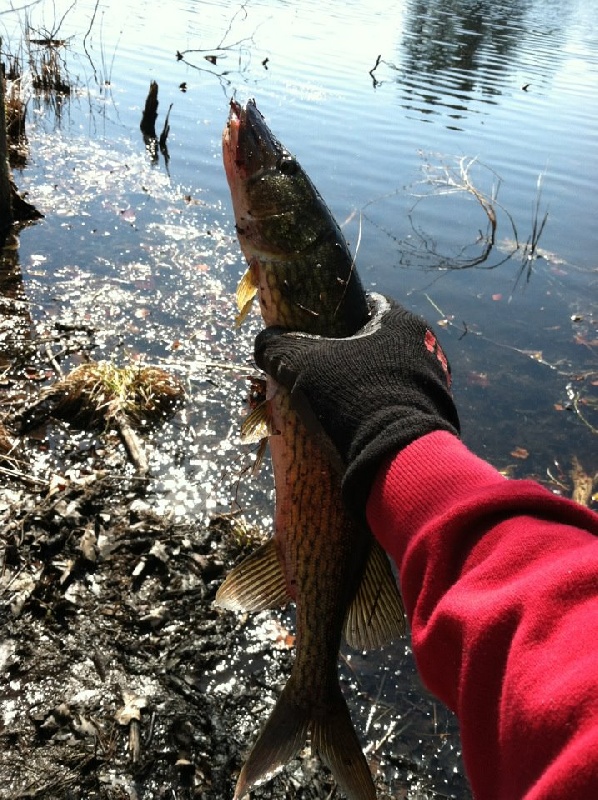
{"points": [[530, 250], [15, 112], [98, 392]]}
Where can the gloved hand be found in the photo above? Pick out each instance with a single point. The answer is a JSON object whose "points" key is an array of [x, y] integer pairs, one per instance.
{"points": [[371, 394]]}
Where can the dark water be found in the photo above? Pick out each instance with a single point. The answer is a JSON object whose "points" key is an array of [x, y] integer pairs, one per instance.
{"points": [[469, 101], [456, 142]]}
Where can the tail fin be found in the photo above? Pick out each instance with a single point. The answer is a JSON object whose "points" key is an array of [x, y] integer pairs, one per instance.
{"points": [[332, 737], [280, 740], [335, 740]]}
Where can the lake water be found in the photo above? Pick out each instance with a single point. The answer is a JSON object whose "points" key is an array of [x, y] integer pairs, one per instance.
{"points": [[456, 143]]}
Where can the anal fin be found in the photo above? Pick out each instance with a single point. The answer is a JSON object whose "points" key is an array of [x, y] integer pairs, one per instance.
{"points": [[377, 615]]}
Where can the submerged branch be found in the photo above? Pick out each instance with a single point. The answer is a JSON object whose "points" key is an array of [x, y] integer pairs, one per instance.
{"points": [[448, 180], [132, 442], [576, 408], [534, 355], [453, 179]]}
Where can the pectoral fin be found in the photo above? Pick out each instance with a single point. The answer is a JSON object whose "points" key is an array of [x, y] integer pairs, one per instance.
{"points": [[376, 616], [256, 429], [256, 583]]}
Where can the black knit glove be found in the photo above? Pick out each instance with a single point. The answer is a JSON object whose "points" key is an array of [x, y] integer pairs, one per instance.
{"points": [[370, 394]]}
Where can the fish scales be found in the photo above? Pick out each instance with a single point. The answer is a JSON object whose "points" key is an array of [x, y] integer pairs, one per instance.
{"points": [[303, 274], [308, 506]]}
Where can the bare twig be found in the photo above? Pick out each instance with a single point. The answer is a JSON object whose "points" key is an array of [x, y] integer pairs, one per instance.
{"points": [[448, 179], [88, 31], [530, 250], [241, 10], [52, 359], [164, 134], [26, 7], [577, 410], [132, 442], [375, 81], [13, 473]]}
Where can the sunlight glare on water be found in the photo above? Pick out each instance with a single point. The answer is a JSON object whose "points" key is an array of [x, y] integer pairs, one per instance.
{"points": [[441, 136]]}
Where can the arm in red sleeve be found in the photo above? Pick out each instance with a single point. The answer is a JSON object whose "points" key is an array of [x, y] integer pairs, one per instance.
{"points": [[500, 582]]}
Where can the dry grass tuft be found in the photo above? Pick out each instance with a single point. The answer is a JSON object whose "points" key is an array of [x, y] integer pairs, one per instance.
{"points": [[97, 392]]}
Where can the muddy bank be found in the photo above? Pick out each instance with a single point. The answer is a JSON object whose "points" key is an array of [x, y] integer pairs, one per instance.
{"points": [[121, 679], [108, 627], [109, 639]]}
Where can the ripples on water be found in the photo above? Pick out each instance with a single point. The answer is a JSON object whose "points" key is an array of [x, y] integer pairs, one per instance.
{"points": [[145, 253]]}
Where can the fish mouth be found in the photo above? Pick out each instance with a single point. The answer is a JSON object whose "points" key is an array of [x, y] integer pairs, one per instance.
{"points": [[249, 145]]}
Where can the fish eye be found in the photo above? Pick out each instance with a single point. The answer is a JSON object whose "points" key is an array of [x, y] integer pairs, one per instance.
{"points": [[287, 164]]}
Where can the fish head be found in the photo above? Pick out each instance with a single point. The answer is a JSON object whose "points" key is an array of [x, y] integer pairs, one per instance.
{"points": [[300, 265], [298, 257], [250, 147], [278, 210]]}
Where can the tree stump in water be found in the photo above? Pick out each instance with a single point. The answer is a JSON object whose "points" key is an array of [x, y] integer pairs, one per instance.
{"points": [[150, 112], [13, 206], [148, 124], [148, 121], [6, 217]]}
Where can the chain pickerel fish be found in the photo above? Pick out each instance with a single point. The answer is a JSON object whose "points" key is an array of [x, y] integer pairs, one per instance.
{"points": [[340, 579]]}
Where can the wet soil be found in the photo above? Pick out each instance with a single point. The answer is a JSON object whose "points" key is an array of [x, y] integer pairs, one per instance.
{"points": [[120, 678], [109, 634]]}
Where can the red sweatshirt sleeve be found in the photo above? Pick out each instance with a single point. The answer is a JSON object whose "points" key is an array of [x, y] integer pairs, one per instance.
{"points": [[500, 582]]}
